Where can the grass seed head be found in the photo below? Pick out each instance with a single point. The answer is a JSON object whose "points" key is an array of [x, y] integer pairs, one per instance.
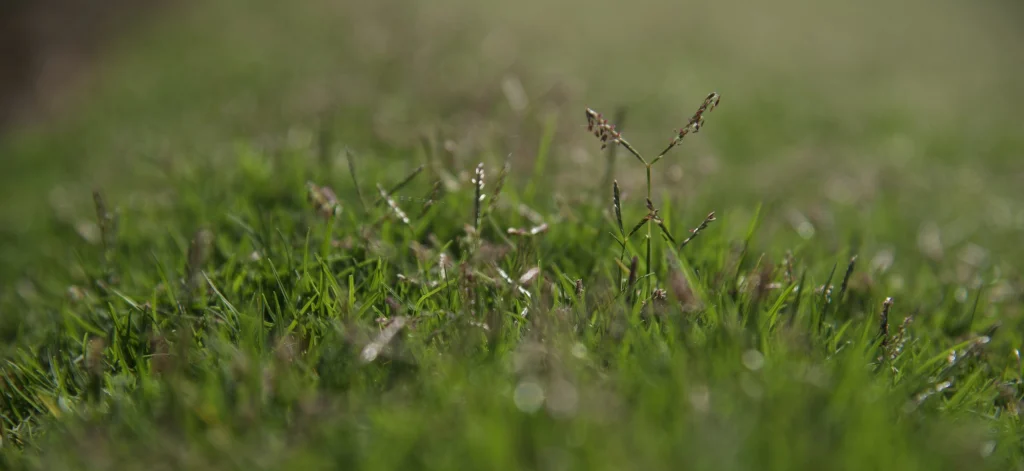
{"points": [[846, 278], [478, 186], [790, 277], [617, 205], [900, 339], [695, 123], [602, 129], [697, 230], [393, 205], [883, 325]]}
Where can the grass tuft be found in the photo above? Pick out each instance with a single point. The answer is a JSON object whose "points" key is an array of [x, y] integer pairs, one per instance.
{"points": [[605, 132], [303, 336]]}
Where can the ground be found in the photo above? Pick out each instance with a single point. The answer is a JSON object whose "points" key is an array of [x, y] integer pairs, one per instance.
{"points": [[385, 236]]}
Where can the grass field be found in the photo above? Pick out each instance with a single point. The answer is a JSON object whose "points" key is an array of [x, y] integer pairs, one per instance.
{"points": [[385, 236]]}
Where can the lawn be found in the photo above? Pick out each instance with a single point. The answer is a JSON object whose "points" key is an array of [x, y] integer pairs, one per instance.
{"points": [[444, 235]]}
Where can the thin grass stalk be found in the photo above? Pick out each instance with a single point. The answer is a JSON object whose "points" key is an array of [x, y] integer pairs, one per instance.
{"points": [[632, 280], [498, 185], [846, 278], [432, 197], [650, 236], [405, 181], [617, 204], [107, 223], [198, 254], [355, 177], [697, 230], [826, 294], [620, 117], [606, 132]]}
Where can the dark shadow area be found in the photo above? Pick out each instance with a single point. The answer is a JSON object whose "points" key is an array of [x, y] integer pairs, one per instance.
{"points": [[47, 45]]}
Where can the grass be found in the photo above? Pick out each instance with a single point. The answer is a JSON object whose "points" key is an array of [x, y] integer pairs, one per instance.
{"points": [[346, 296], [296, 330]]}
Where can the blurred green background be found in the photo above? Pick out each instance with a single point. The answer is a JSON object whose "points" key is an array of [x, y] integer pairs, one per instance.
{"points": [[896, 120]]}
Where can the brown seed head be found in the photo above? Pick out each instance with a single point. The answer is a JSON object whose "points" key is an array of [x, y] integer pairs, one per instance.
{"points": [[695, 122], [602, 129]]}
